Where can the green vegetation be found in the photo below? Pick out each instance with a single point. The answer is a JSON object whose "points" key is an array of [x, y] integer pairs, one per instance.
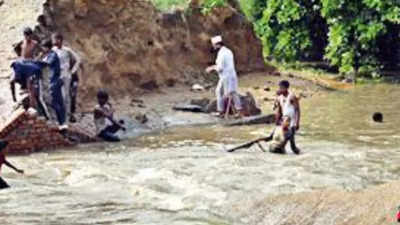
{"points": [[354, 36], [165, 5], [359, 37]]}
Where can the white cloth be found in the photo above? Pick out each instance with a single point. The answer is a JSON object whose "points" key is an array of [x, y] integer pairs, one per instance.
{"points": [[42, 99], [66, 92], [45, 93], [102, 122], [222, 91], [228, 81], [225, 62], [66, 55], [288, 108]]}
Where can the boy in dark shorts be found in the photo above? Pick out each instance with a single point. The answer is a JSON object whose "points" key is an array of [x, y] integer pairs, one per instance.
{"points": [[106, 126]]}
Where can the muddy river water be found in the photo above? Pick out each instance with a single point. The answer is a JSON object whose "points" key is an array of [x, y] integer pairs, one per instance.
{"points": [[183, 176]]}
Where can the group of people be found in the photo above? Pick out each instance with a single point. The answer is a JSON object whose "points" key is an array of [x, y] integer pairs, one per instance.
{"points": [[47, 73], [287, 104]]}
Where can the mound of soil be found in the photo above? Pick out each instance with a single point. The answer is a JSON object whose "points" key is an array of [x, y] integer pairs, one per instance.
{"points": [[128, 44]]}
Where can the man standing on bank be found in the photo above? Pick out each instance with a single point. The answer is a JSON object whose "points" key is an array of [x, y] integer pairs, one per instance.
{"points": [[51, 60], [66, 56], [288, 105], [228, 81]]}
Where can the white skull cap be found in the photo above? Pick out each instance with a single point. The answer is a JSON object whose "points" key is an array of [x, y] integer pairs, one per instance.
{"points": [[216, 39]]}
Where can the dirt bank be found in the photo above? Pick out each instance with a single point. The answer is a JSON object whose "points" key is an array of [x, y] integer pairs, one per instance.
{"points": [[129, 46]]}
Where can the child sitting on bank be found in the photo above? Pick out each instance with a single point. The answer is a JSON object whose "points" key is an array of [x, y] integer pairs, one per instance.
{"points": [[280, 136], [106, 126], [3, 145]]}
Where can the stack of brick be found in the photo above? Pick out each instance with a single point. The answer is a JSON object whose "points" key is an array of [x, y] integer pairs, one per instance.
{"points": [[27, 133]]}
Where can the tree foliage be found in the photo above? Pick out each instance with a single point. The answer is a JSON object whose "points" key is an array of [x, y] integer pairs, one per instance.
{"points": [[354, 35]]}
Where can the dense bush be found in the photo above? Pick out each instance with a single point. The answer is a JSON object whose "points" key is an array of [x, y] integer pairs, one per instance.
{"points": [[359, 36]]}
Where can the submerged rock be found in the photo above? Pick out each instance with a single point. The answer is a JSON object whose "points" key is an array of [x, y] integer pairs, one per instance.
{"points": [[188, 108], [170, 82], [248, 103], [211, 107], [151, 85], [142, 118], [200, 102]]}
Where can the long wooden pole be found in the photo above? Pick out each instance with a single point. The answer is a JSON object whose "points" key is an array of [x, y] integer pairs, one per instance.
{"points": [[249, 144]]}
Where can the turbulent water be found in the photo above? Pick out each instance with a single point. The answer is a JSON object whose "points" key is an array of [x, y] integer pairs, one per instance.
{"points": [[183, 176]]}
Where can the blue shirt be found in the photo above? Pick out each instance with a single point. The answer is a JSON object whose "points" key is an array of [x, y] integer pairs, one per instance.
{"points": [[54, 63], [25, 69]]}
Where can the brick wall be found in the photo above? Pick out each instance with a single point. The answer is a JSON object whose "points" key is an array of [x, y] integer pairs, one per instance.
{"points": [[27, 133]]}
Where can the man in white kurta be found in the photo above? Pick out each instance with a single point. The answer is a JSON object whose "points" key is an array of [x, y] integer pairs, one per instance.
{"points": [[228, 81], [66, 56]]}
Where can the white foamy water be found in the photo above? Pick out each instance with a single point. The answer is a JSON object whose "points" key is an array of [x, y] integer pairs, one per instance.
{"points": [[184, 176]]}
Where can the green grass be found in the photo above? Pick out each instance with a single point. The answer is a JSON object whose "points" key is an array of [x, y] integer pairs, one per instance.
{"points": [[166, 5]]}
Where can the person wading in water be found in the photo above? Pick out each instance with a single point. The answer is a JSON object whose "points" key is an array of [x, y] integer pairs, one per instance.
{"points": [[288, 105], [280, 136], [3, 145]]}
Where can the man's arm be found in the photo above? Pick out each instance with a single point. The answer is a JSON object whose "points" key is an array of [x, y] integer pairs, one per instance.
{"points": [[219, 65], [211, 68], [99, 113], [36, 50], [12, 88], [77, 60], [13, 167], [278, 112], [297, 111], [32, 92], [48, 61], [271, 136]]}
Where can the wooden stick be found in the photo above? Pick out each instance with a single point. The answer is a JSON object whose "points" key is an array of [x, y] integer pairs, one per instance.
{"points": [[249, 144], [261, 147]]}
